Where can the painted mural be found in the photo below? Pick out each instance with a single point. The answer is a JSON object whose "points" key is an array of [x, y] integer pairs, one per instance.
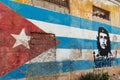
{"points": [[44, 44], [19, 41], [103, 56]]}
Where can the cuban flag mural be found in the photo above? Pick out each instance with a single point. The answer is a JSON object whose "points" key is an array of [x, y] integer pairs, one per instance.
{"points": [[39, 42]]}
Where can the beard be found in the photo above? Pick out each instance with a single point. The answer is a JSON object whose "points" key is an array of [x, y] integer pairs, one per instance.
{"points": [[103, 52]]}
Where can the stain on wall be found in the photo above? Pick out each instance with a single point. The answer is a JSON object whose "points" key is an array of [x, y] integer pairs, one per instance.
{"points": [[81, 8]]}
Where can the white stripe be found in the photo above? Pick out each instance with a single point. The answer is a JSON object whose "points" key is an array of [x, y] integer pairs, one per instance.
{"points": [[67, 54], [78, 54], [72, 32], [47, 56]]}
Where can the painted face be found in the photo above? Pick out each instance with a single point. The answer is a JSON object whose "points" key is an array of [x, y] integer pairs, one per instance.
{"points": [[103, 40]]}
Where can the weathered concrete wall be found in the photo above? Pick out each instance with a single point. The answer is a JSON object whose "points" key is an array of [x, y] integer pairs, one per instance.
{"points": [[83, 9], [76, 36], [114, 11]]}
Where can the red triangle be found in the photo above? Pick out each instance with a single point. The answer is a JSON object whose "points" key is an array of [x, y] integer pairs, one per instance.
{"points": [[12, 23]]}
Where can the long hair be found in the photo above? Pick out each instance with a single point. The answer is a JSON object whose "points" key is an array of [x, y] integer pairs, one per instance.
{"points": [[103, 52]]}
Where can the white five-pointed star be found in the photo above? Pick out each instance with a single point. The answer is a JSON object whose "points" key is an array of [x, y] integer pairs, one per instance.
{"points": [[21, 38]]}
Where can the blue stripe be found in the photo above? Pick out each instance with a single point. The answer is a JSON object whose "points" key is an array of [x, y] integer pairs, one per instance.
{"points": [[19, 72], [58, 18], [72, 43], [48, 68]]}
